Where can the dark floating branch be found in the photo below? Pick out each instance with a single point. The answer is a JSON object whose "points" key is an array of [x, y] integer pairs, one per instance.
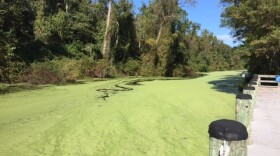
{"points": [[120, 88], [106, 92]]}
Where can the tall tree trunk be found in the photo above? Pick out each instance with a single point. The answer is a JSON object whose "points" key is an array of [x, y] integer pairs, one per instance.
{"points": [[66, 7], [107, 35], [159, 32]]}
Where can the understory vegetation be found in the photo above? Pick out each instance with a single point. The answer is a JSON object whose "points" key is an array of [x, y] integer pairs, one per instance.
{"points": [[59, 41]]}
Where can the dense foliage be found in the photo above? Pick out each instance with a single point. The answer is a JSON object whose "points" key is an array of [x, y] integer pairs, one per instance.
{"points": [[105, 38], [257, 24]]}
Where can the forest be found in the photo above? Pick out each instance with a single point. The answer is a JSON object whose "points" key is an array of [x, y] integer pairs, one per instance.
{"points": [[58, 41]]}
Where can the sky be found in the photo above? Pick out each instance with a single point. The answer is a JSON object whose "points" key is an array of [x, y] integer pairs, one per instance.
{"points": [[208, 14]]}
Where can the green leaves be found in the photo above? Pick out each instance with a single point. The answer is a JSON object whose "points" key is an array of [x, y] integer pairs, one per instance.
{"points": [[258, 23], [160, 40]]}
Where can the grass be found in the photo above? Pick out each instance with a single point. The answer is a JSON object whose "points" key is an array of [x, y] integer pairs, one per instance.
{"points": [[156, 118]]}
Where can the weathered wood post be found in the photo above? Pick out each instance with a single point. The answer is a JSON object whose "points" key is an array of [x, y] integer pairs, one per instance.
{"points": [[253, 84], [256, 76], [255, 79], [244, 111], [252, 92], [227, 138]]}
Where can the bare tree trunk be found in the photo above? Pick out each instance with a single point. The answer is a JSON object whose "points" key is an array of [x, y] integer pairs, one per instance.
{"points": [[66, 7], [159, 32], [165, 20], [107, 35]]}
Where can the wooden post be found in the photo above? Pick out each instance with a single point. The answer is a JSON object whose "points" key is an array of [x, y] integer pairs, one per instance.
{"points": [[253, 84], [227, 138], [252, 92], [255, 78], [244, 111]]}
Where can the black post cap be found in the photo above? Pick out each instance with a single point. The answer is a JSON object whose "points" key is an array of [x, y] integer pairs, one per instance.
{"points": [[253, 83], [244, 96], [249, 88], [228, 130]]}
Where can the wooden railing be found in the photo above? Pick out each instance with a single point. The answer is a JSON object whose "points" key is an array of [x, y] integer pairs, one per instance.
{"points": [[231, 137], [268, 81]]}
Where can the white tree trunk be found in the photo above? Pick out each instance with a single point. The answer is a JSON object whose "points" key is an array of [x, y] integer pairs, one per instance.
{"points": [[107, 35], [159, 32], [66, 7]]}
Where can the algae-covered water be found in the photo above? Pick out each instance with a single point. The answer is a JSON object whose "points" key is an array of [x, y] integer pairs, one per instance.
{"points": [[112, 118]]}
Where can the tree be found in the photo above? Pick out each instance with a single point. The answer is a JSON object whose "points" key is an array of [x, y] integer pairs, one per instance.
{"points": [[159, 28], [66, 26], [100, 11], [256, 23], [125, 34], [160, 40], [107, 35], [16, 29]]}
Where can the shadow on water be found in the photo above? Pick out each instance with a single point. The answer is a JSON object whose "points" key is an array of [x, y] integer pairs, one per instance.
{"points": [[227, 85], [17, 88], [14, 88]]}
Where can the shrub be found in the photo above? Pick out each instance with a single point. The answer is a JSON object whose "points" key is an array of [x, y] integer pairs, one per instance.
{"points": [[67, 70], [10, 70], [75, 49], [42, 73], [53, 71], [87, 67], [131, 67], [149, 58], [181, 71], [70, 69], [98, 69], [178, 71], [102, 69]]}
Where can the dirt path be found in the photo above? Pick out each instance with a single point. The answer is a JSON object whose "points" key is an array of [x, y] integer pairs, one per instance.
{"points": [[266, 123]]}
